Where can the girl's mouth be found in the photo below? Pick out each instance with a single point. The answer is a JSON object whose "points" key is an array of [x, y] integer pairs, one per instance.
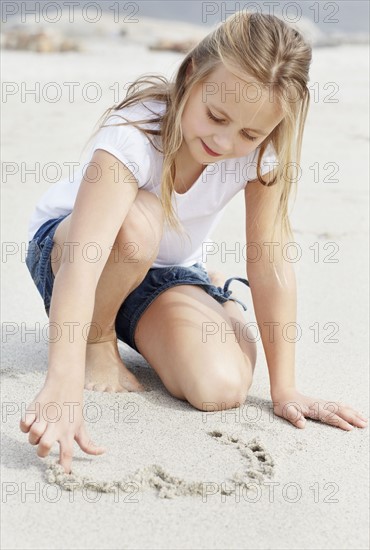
{"points": [[209, 151]]}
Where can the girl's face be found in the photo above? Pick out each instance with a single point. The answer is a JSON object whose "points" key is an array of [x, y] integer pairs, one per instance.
{"points": [[227, 116]]}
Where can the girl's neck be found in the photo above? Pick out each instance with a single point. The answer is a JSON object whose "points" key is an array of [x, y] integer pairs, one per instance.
{"points": [[187, 170]]}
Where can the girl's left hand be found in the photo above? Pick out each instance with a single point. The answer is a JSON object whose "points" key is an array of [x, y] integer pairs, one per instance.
{"points": [[294, 407]]}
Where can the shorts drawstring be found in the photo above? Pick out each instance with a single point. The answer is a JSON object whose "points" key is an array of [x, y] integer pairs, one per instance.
{"points": [[228, 292]]}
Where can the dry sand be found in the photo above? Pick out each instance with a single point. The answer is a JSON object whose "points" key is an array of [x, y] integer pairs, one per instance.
{"points": [[307, 488]]}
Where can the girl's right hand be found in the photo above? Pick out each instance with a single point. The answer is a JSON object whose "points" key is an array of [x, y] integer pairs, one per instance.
{"points": [[56, 415]]}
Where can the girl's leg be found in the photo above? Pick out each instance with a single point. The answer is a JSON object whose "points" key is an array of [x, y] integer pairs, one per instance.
{"points": [[244, 335], [194, 349], [135, 249]]}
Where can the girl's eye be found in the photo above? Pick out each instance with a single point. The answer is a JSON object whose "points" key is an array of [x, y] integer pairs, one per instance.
{"points": [[212, 117], [250, 137]]}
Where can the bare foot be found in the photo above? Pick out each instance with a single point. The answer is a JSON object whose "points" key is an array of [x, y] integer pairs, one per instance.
{"points": [[105, 370]]}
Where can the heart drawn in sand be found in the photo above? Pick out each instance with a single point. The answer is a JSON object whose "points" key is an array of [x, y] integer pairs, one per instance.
{"points": [[259, 467]]}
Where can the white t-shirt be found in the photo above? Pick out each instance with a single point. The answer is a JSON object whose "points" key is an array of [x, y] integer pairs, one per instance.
{"points": [[199, 209]]}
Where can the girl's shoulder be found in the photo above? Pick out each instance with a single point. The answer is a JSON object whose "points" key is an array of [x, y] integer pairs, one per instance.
{"points": [[128, 142]]}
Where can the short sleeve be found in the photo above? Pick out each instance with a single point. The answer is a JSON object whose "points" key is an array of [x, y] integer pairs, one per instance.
{"points": [[128, 144], [268, 162]]}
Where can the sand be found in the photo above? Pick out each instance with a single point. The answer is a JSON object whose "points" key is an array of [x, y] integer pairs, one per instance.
{"points": [[172, 476], [259, 468]]}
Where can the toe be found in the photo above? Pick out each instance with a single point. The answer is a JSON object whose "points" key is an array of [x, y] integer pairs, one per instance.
{"points": [[139, 388], [99, 387], [120, 389], [132, 385]]}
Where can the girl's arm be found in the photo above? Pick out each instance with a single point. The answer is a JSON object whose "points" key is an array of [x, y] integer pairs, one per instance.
{"points": [[100, 208], [272, 282], [55, 414], [274, 293]]}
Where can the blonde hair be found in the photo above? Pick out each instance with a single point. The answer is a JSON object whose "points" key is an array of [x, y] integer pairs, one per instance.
{"points": [[259, 45]]}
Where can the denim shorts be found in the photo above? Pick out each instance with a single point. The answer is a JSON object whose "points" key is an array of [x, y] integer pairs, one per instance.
{"points": [[156, 281]]}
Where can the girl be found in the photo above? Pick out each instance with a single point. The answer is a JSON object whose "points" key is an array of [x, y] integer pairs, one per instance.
{"points": [[120, 249]]}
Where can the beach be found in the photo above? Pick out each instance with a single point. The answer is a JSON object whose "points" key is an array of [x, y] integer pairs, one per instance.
{"points": [[173, 476]]}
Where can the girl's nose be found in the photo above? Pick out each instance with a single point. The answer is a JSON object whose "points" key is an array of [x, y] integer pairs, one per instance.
{"points": [[223, 143]]}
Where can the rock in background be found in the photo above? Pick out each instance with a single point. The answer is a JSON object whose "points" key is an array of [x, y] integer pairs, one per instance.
{"points": [[41, 41]]}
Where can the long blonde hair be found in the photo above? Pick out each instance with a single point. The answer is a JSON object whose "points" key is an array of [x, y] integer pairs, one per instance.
{"points": [[259, 45]]}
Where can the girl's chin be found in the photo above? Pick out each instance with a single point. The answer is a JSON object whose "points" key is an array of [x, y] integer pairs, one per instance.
{"points": [[198, 155]]}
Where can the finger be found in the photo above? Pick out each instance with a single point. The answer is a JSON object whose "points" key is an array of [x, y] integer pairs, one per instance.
{"points": [[340, 418], [25, 424], [86, 444], [298, 420], [301, 422], [298, 423], [335, 420], [293, 414], [348, 413], [65, 456], [352, 417], [27, 420], [343, 405], [45, 444], [348, 409], [37, 431], [323, 411], [362, 422], [362, 416]]}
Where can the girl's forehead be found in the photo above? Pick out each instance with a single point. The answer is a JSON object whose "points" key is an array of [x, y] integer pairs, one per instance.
{"points": [[232, 87], [229, 73], [239, 98]]}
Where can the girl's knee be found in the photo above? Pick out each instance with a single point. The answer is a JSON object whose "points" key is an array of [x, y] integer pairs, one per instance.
{"points": [[142, 229], [150, 206], [218, 391]]}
